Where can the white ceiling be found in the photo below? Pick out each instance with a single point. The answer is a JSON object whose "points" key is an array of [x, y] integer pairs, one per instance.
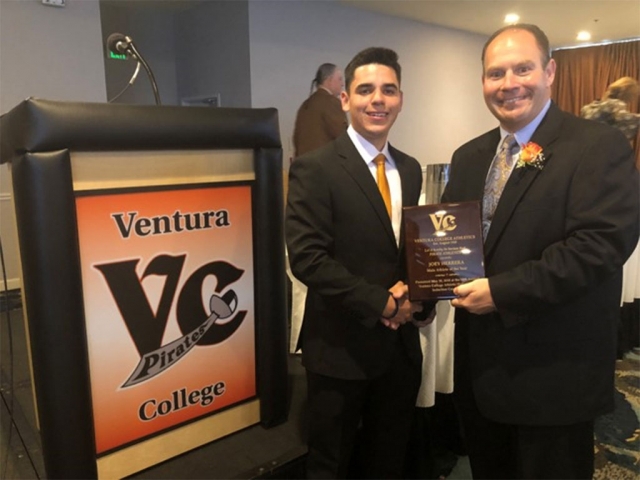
{"points": [[561, 20]]}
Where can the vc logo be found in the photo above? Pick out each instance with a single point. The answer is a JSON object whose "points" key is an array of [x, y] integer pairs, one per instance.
{"points": [[197, 325], [443, 222]]}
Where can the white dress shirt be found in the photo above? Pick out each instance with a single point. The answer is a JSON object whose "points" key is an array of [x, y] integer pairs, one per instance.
{"points": [[368, 152]]}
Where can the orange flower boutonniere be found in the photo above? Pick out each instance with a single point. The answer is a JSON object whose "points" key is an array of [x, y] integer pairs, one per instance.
{"points": [[531, 156]]}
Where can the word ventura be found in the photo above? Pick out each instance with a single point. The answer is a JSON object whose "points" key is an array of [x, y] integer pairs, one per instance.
{"points": [[163, 224]]}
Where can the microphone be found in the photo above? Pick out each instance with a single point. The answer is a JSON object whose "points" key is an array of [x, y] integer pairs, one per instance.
{"points": [[120, 44]]}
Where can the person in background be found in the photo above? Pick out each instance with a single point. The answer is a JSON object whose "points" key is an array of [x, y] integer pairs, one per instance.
{"points": [[613, 109], [360, 347], [535, 339], [320, 118]]}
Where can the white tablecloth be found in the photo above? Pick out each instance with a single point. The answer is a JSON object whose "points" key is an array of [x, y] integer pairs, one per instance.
{"points": [[298, 297], [436, 341], [631, 277]]}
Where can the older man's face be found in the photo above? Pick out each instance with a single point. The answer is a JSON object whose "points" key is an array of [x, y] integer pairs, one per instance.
{"points": [[515, 84]]}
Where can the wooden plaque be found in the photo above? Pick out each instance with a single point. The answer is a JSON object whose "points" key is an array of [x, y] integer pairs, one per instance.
{"points": [[444, 248]]}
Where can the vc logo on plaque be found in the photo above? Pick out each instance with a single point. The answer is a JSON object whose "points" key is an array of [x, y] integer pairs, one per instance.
{"points": [[443, 222]]}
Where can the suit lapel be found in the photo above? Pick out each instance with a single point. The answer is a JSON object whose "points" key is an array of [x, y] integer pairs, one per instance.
{"points": [[405, 184], [355, 166], [403, 172], [522, 178]]}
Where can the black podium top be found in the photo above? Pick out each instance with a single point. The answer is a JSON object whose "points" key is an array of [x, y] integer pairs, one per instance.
{"points": [[46, 125]]}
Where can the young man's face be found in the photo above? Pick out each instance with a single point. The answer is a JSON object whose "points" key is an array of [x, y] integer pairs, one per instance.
{"points": [[515, 84], [373, 101]]}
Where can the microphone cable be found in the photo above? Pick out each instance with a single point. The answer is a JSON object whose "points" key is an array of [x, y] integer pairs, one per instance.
{"points": [[133, 79]]}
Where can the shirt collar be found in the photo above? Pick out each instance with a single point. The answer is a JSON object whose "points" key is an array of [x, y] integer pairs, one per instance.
{"points": [[366, 150], [524, 135]]}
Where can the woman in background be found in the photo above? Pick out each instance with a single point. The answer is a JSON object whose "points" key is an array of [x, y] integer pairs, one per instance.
{"points": [[613, 109]]}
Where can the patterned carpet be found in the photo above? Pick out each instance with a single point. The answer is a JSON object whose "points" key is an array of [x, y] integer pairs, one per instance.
{"points": [[617, 442]]}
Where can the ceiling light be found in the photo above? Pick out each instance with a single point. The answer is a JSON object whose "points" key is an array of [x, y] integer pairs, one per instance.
{"points": [[583, 36], [511, 18]]}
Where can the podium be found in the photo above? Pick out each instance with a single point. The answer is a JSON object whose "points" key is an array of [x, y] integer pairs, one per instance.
{"points": [[153, 276]]}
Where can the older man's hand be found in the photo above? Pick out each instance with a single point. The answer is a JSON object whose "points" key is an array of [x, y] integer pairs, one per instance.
{"points": [[474, 297]]}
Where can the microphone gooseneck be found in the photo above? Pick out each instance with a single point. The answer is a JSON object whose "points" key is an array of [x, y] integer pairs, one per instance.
{"points": [[152, 79]]}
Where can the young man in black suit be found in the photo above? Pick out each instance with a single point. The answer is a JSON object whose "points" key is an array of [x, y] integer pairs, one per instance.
{"points": [[535, 339], [359, 346]]}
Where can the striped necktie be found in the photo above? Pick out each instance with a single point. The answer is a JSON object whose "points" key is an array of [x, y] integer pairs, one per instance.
{"points": [[383, 184], [496, 180]]}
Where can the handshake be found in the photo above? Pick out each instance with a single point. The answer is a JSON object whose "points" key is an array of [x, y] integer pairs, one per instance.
{"points": [[399, 309]]}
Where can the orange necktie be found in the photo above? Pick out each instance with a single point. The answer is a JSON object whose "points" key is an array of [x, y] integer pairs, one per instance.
{"points": [[383, 184]]}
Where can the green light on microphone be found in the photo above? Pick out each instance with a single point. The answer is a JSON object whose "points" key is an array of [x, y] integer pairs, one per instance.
{"points": [[117, 56]]}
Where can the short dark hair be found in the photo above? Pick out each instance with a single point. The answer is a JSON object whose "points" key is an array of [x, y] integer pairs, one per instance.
{"points": [[379, 55], [540, 36]]}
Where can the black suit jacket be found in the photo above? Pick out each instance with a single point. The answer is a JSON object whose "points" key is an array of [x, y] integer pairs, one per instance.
{"points": [[553, 256], [341, 245]]}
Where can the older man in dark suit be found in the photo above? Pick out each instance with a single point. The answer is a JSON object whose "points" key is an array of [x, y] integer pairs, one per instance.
{"points": [[535, 339], [320, 118], [343, 229]]}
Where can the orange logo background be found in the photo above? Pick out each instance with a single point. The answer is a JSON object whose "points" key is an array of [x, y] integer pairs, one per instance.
{"points": [[112, 353]]}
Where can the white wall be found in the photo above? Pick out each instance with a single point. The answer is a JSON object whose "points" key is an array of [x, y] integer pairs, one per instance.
{"points": [[49, 52], [46, 52], [443, 105]]}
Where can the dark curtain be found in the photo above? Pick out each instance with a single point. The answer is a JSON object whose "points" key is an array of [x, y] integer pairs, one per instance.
{"points": [[583, 74]]}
